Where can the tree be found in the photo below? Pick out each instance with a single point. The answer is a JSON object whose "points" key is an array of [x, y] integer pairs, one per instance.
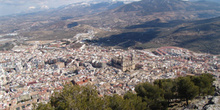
{"points": [[116, 102], [168, 86], [149, 96], [42, 106], [152, 94], [186, 89], [74, 97], [135, 100], [149, 91], [77, 98], [204, 82]]}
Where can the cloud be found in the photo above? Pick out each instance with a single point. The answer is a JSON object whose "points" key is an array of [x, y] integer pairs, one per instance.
{"points": [[12, 2], [44, 7], [31, 7]]}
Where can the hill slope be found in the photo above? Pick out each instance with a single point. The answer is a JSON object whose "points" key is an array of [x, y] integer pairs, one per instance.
{"points": [[53, 18], [155, 23], [148, 10], [143, 24], [199, 35]]}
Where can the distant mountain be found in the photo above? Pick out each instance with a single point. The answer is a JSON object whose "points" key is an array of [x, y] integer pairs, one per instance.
{"points": [[147, 10], [198, 35], [82, 9], [202, 35], [155, 23], [52, 18], [142, 24], [217, 1], [111, 14]]}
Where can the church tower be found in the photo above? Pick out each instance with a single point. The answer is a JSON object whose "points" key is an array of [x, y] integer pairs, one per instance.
{"points": [[132, 61]]}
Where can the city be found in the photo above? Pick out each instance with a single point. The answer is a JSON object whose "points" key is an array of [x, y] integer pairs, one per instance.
{"points": [[109, 54], [31, 73]]}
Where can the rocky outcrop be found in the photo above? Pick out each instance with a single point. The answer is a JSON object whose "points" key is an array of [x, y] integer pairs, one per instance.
{"points": [[214, 104], [217, 87], [207, 102]]}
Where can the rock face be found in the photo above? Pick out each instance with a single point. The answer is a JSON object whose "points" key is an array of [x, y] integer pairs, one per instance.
{"points": [[214, 104], [207, 102], [217, 87], [199, 103]]}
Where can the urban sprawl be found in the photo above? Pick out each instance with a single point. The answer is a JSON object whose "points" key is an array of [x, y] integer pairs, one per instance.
{"points": [[32, 72]]}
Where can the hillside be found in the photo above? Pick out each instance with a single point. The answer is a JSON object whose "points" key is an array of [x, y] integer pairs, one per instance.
{"points": [[110, 14], [203, 36], [143, 24], [155, 23], [53, 19], [198, 35], [148, 10]]}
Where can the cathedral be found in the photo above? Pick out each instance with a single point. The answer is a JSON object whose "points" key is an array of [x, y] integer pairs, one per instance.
{"points": [[124, 63]]}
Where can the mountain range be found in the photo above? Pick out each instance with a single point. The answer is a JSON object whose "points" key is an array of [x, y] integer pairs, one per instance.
{"points": [[147, 10], [143, 24]]}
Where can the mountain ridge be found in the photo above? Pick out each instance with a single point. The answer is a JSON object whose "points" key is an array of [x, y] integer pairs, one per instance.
{"points": [[143, 24], [198, 35], [147, 10]]}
